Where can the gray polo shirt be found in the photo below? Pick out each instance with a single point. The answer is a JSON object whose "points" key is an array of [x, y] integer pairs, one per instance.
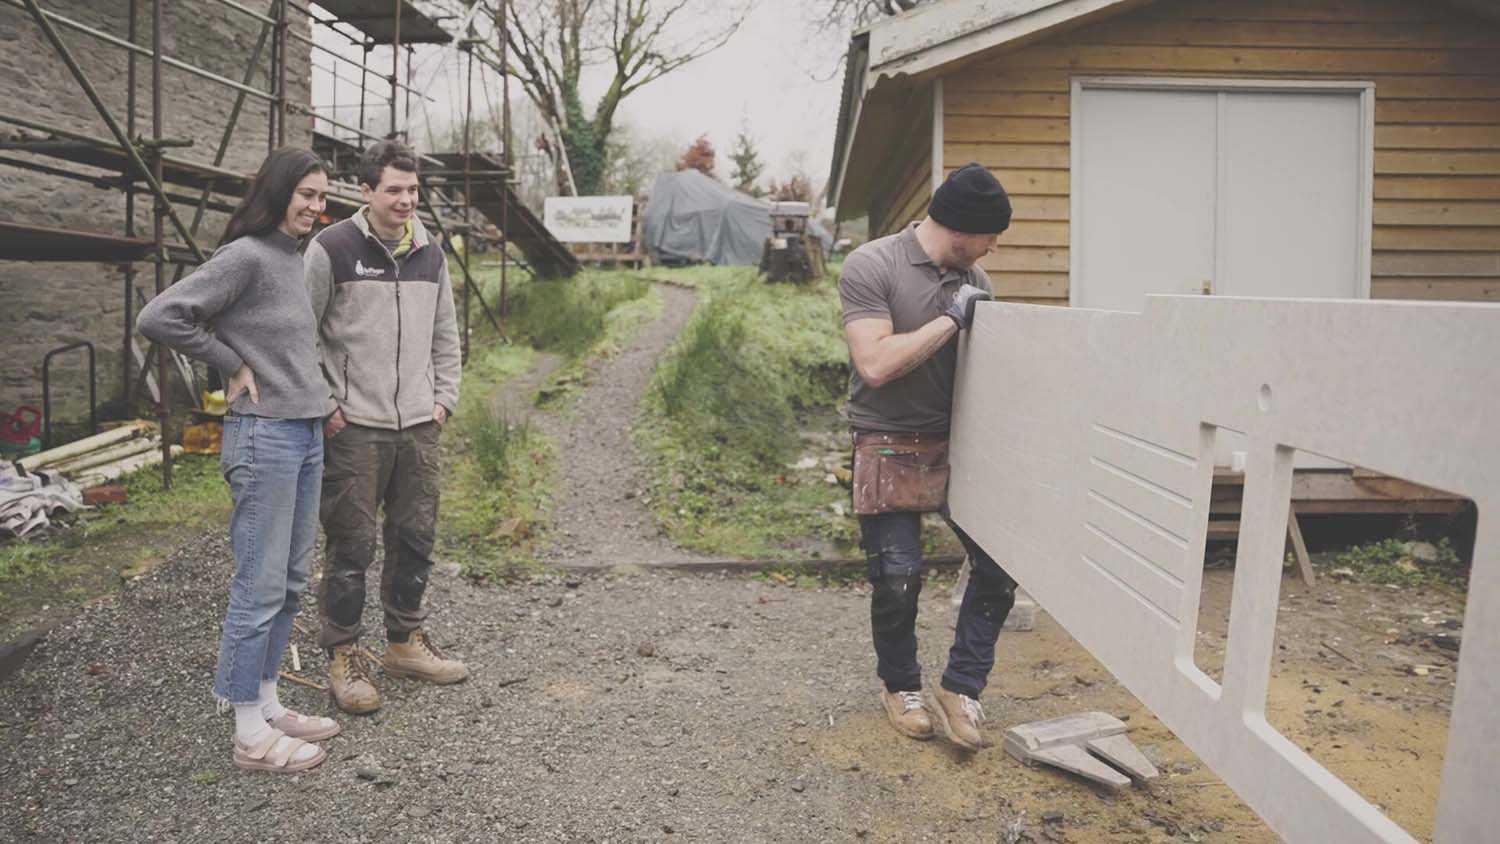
{"points": [[892, 278]]}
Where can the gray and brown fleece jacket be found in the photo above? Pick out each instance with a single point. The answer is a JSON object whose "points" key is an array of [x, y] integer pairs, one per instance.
{"points": [[387, 335]]}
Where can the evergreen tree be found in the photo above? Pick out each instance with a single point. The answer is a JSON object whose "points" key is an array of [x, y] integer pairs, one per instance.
{"points": [[747, 165]]}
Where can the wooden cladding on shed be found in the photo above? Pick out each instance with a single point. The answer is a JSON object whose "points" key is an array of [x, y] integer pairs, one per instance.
{"points": [[1436, 70]]}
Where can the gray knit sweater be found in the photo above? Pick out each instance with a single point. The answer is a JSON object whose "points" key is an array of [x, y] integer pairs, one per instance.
{"points": [[252, 293]]}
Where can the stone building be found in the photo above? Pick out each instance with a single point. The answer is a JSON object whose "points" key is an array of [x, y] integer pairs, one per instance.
{"points": [[45, 305]]}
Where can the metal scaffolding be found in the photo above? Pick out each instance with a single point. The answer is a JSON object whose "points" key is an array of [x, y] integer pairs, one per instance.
{"points": [[145, 165]]}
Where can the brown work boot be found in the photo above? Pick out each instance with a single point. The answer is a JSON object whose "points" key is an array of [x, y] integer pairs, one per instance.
{"points": [[958, 716], [907, 714], [349, 681], [419, 659]]}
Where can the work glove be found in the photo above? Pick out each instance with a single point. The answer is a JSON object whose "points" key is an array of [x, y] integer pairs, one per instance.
{"points": [[961, 309]]}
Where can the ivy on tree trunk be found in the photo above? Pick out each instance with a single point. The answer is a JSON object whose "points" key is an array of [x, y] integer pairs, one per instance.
{"points": [[550, 43]]}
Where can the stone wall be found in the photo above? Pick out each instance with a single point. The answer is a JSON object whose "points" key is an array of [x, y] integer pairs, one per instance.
{"points": [[45, 305]]}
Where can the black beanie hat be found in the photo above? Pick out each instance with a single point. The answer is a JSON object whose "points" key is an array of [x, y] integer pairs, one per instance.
{"points": [[971, 200]]}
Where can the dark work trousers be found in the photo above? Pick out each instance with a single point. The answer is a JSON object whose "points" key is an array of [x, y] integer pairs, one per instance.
{"points": [[365, 469], [893, 551]]}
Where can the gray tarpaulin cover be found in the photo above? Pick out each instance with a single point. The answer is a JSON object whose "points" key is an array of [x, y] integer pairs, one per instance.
{"points": [[693, 217]]}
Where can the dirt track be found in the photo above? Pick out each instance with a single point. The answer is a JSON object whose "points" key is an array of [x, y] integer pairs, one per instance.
{"points": [[600, 520]]}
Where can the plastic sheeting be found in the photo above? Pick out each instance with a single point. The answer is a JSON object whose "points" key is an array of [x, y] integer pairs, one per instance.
{"points": [[693, 217], [27, 500]]}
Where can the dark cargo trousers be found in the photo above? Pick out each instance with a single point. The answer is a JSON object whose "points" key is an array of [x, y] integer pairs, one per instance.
{"points": [[365, 469], [893, 552]]}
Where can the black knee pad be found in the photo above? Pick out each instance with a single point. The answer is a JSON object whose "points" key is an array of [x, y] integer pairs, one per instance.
{"points": [[894, 601], [994, 597]]}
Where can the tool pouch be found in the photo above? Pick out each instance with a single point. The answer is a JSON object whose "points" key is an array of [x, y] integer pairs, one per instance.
{"points": [[896, 473]]}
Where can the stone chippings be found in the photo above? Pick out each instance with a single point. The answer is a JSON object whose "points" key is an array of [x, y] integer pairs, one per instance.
{"points": [[602, 707], [49, 305]]}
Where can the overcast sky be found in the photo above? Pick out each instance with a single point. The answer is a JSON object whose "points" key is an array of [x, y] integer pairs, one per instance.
{"points": [[767, 77]]}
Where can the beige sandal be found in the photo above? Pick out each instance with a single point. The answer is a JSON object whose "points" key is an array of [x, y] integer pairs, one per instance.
{"points": [[306, 727], [275, 753]]}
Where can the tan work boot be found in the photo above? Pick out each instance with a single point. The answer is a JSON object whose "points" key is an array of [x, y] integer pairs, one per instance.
{"points": [[958, 716], [349, 681], [419, 659], [907, 714]]}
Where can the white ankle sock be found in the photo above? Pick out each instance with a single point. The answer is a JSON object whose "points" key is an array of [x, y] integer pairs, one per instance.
{"points": [[249, 724], [270, 703]]}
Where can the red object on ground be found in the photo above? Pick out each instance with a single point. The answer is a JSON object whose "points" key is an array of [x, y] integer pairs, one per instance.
{"points": [[106, 494], [15, 428]]}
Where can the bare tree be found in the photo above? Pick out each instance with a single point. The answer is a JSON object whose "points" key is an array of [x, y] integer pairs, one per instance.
{"points": [[844, 15], [636, 42]]}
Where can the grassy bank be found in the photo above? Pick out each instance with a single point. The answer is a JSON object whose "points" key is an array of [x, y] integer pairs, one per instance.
{"points": [[751, 385], [500, 475]]}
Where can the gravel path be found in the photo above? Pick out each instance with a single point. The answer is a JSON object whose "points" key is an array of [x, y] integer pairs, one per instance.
{"points": [[601, 708], [600, 520]]}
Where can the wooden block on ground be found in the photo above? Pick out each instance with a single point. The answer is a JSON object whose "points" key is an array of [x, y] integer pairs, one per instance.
{"points": [[1077, 743]]}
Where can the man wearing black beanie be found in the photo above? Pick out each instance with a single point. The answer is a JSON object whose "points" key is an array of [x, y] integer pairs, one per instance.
{"points": [[905, 299]]}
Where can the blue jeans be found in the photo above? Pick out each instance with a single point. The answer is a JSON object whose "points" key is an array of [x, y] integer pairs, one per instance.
{"points": [[275, 472], [893, 553]]}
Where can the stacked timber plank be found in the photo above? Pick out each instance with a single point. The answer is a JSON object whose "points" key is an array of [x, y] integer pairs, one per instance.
{"points": [[99, 459]]}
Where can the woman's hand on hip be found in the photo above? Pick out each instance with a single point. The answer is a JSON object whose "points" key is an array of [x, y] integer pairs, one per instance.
{"points": [[243, 380]]}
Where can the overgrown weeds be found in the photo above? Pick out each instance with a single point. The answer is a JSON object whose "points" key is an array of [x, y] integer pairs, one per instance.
{"points": [[497, 479], [499, 442], [1400, 563]]}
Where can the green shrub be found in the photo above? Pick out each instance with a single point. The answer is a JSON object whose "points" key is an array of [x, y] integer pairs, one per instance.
{"points": [[570, 315]]}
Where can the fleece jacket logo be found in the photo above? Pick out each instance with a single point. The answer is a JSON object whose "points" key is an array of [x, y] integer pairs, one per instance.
{"points": [[366, 272]]}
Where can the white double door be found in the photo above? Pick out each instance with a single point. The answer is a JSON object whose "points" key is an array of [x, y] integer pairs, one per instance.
{"points": [[1231, 191]]}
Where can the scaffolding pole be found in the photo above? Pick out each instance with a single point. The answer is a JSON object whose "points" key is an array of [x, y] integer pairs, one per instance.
{"points": [[502, 22], [224, 139], [145, 160], [158, 232], [139, 163], [127, 352], [395, 66], [468, 114]]}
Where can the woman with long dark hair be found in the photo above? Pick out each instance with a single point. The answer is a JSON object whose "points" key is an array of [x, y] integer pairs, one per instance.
{"points": [[264, 343]]}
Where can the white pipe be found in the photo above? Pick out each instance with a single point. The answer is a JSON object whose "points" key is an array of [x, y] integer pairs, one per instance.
{"points": [[104, 474], [103, 456], [86, 445]]}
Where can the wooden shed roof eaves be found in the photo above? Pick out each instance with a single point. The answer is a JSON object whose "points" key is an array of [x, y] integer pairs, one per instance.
{"points": [[888, 57], [943, 32], [850, 102], [946, 31]]}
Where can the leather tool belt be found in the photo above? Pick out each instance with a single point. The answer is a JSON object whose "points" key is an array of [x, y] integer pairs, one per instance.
{"points": [[900, 473]]}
